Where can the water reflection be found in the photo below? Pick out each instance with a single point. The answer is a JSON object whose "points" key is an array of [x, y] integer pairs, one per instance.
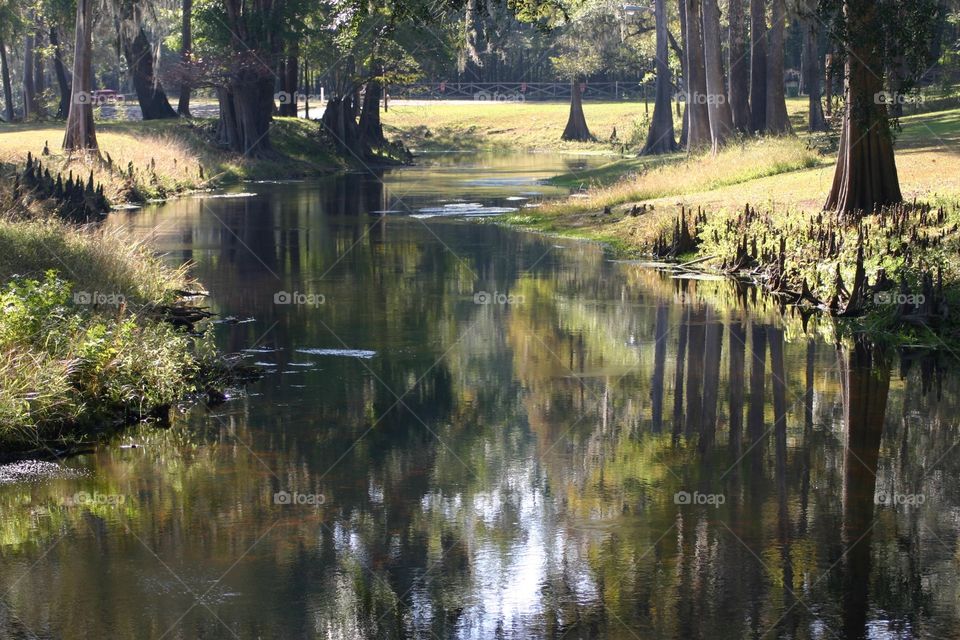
{"points": [[611, 454]]}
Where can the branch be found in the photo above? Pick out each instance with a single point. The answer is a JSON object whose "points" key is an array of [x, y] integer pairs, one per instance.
{"points": [[674, 45]]}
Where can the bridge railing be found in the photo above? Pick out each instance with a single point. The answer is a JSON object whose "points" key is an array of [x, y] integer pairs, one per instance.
{"points": [[520, 91]]}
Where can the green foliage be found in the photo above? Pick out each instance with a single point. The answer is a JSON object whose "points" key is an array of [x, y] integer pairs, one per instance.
{"points": [[68, 367]]}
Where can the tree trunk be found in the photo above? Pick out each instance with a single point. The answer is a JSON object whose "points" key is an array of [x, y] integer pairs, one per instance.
{"points": [[777, 120], [828, 84], [246, 107], [698, 134], [7, 86], [289, 73], [153, 101], [186, 45], [371, 129], [738, 91], [811, 71], [80, 133], [576, 128], [30, 106], [758, 66], [340, 123], [684, 76], [39, 82], [660, 137], [721, 120], [63, 81], [866, 172]]}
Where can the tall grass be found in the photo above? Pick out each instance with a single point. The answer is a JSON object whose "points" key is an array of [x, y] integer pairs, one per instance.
{"points": [[156, 159], [80, 347], [735, 164]]}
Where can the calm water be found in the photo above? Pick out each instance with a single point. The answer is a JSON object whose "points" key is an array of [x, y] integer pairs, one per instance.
{"points": [[475, 433]]}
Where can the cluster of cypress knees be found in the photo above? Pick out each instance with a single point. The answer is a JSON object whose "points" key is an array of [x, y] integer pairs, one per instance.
{"points": [[73, 199], [914, 234]]}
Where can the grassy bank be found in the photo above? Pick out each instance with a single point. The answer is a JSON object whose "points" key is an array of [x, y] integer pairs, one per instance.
{"points": [[159, 158], [530, 126], [536, 126], [785, 182], [83, 345]]}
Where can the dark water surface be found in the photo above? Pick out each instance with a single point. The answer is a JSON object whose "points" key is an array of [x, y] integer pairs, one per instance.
{"points": [[477, 433]]}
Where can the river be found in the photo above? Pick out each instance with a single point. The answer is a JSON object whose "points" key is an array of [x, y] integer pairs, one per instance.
{"points": [[467, 431]]}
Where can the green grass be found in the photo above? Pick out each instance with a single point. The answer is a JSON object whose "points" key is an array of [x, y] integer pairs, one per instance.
{"points": [[786, 180], [445, 126], [81, 348]]}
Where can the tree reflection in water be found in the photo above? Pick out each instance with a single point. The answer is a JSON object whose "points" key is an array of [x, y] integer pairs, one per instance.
{"points": [[512, 470]]}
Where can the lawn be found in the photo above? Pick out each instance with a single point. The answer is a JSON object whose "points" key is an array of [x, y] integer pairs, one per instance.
{"points": [[535, 126], [171, 156]]}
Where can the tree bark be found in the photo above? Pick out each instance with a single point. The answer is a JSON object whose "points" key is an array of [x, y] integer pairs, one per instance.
{"points": [[698, 134], [289, 73], [340, 123], [660, 138], [63, 81], [738, 90], [39, 82], [777, 120], [758, 66], [150, 94], [80, 133], [371, 128], [811, 70], [684, 75], [866, 173], [721, 119], [30, 106], [7, 86], [186, 46], [576, 128], [245, 113]]}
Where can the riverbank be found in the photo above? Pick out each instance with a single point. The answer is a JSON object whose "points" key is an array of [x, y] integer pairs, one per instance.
{"points": [[97, 332], [161, 158], [767, 193]]}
